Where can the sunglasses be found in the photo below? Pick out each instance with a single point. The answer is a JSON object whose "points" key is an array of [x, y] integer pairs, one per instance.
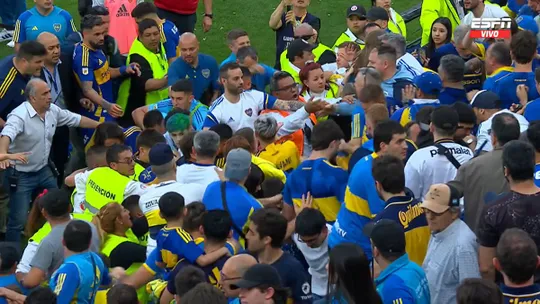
{"points": [[305, 37], [225, 278]]}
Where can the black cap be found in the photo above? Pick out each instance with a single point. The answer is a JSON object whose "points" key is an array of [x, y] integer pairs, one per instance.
{"points": [[387, 235], [486, 100], [356, 10], [377, 13], [297, 48], [160, 154], [259, 274], [445, 117]]}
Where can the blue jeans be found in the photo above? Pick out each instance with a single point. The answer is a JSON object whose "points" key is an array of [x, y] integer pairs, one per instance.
{"points": [[20, 197], [10, 10]]}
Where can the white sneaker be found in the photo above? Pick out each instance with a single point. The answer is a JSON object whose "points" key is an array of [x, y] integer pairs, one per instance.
{"points": [[5, 35], [11, 44]]}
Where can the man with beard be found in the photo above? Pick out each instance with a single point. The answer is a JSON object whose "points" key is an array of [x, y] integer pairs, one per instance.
{"points": [[356, 21], [479, 9], [201, 69], [94, 75]]}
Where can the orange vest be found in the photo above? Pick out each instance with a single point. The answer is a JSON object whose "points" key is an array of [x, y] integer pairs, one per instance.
{"points": [[297, 137], [122, 27]]}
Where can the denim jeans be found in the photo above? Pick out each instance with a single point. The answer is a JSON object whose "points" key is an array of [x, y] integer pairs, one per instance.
{"points": [[10, 10], [20, 197]]}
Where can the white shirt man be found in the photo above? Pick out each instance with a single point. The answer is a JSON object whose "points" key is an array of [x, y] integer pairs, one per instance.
{"points": [[194, 173], [490, 11]]}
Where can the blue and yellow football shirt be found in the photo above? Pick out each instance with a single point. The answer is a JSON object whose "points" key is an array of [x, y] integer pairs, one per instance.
{"points": [[499, 73], [175, 244], [32, 23], [170, 37], [283, 154]]}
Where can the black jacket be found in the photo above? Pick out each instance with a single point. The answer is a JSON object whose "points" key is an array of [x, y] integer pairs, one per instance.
{"points": [[71, 91]]}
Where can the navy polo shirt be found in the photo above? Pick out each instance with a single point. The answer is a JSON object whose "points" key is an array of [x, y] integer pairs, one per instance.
{"points": [[449, 96], [285, 34], [204, 76], [260, 81], [506, 86], [12, 85], [447, 49]]}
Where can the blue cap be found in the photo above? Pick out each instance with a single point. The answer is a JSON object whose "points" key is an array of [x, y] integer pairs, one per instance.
{"points": [[428, 82], [527, 23], [486, 100], [160, 154]]}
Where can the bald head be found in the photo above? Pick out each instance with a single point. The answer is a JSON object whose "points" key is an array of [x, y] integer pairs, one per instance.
{"points": [[238, 264], [303, 29], [189, 48], [52, 45], [46, 36], [188, 38]]}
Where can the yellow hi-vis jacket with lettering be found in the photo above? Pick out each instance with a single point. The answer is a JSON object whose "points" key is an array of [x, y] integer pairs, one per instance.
{"points": [[396, 24], [348, 36], [433, 9], [111, 242], [104, 185], [46, 229], [159, 65], [286, 65]]}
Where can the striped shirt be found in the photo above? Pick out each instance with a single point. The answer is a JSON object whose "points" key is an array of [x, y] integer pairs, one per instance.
{"points": [[197, 111], [12, 86]]}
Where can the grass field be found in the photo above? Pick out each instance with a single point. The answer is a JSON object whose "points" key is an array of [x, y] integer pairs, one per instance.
{"points": [[253, 16]]}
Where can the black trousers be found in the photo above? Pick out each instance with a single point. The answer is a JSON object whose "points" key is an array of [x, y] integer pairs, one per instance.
{"points": [[60, 152], [184, 23]]}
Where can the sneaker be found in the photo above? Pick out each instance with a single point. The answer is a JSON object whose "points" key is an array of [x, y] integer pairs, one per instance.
{"points": [[6, 35], [11, 44]]}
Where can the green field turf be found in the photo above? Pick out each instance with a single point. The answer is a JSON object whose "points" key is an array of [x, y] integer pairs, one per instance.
{"points": [[253, 16]]}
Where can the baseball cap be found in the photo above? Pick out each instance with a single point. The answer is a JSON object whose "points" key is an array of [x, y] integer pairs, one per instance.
{"points": [[237, 164], [429, 83], [486, 100], [377, 13], [387, 235], [356, 10], [258, 275], [160, 154], [445, 118], [440, 197], [527, 23], [298, 47]]}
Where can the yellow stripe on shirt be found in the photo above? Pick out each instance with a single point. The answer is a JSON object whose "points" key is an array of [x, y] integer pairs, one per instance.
{"points": [[7, 82], [186, 237], [73, 27], [17, 31], [85, 55]]}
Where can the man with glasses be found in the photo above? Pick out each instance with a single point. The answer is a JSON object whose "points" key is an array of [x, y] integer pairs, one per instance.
{"points": [[356, 22], [109, 184], [232, 272]]}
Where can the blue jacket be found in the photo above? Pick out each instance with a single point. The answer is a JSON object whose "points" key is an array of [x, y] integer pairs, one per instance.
{"points": [[403, 282], [392, 87]]}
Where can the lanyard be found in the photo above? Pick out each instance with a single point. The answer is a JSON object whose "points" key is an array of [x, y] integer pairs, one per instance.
{"points": [[53, 81]]}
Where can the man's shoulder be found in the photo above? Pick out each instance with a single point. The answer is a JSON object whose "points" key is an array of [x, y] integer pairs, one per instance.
{"points": [[207, 60], [26, 15]]}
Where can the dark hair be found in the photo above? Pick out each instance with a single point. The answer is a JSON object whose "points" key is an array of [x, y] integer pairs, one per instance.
{"points": [[217, 225], [122, 294], [453, 67], [223, 130], [270, 223], [146, 24], [131, 202], [430, 47], [324, 134], [152, 119], [254, 180], [149, 137], [501, 52], [245, 72], [143, 9], [517, 255], [77, 236], [204, 293], [505, 128], [372, 93], [478, 291], [465, 113], [183, 85], [57, 203], [519, 160], [371, 24], [309, 222], [187, 278], [533, 135], [234, 34], [276, 78], [88, 22], [95, 151], [41, 295], [113, 153], [349, 275], [389, 171], [385, 131], [108, 130], [9, 257], [248, 134], [194, 217], [523, 47], [30, 49], [171, 205], [224, 69], [245, 52], [98, 10], [272, 186], [186, 144], [387, 51]]}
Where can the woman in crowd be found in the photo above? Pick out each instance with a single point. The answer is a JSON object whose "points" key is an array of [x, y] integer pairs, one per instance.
{"points": [[396, 24], [372, 41], [314, 84], [441, 34]]}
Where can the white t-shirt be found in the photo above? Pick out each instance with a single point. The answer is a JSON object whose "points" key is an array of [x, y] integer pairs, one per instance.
{"points": [[484, 137], [490, 11], [426, 167], [195, 173], [242, 113], [411, 64]]}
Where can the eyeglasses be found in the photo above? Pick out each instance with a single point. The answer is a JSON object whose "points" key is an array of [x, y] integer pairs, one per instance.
{"points": [[224, 278], [427, 211], [289, 87], [304, 37], [127, 162]]}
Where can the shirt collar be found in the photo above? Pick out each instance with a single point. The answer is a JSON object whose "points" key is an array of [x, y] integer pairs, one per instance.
{"points": [[31, 111], [419, 101], [501, 69], [392, 268], [517, 291], [399, 200], [448, 231]]}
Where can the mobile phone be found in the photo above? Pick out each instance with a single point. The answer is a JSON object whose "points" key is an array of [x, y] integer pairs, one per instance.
{"points": [[288, 7]]}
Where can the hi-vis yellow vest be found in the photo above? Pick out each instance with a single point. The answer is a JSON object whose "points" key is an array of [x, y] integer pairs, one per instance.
{"points": [[399, 26], [104, 185], [111, 242], [345, 38], [46, 229], [286, 65], [158, 64], [138, 170]]}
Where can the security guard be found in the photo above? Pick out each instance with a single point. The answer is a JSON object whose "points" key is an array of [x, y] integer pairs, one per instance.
{"points": [[299, 53], [356, 21], [109, 184]]}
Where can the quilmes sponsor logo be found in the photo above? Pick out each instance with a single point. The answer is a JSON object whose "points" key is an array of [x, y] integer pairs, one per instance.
{"points": [[491, 28]]}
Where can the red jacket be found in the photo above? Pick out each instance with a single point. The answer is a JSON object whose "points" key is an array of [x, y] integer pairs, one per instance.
{"points": [[184, 7]]}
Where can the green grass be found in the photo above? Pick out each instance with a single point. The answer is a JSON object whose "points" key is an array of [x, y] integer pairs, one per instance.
{"points": [[253, 16]]}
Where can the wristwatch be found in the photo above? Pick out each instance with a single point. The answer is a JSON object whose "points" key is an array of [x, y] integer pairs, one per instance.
{"points": [[211, 16]]}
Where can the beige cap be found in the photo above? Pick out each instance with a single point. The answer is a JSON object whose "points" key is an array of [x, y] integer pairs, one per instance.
{"points": [[438, 198]]}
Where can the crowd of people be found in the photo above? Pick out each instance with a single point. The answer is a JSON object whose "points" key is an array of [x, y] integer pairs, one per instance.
{"points": [[138, 169]]}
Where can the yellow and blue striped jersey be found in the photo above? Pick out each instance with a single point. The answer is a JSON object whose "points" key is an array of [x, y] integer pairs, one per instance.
{"points": [[408, 114], [175, 244], [489, 83], [324, 181]]}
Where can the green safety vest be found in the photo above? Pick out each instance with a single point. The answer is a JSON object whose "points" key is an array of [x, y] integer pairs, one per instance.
{"points": [[158, 64], [104, 185], [46, 229], [138, 170], [286, 65], [111, 242], [345, 38]]}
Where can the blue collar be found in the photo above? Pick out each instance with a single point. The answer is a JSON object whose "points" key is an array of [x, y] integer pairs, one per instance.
{"points": [[532, 290], [394, 267], [399, 199]]}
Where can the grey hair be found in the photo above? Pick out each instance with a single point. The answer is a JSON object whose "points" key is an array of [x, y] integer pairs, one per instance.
{"points": [[206, 143], [30, 89], [453, 67], [266, 127], [164, 169], [396, 41], [245, 52], [371, 75], [460, 32]]}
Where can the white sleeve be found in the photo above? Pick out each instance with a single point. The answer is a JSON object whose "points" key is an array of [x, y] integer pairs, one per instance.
{"points": [[80, 183], [260, 98], [28, 255], [293, 122], [413, 179], [483, 140], [134, 188], [498, 12]]}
